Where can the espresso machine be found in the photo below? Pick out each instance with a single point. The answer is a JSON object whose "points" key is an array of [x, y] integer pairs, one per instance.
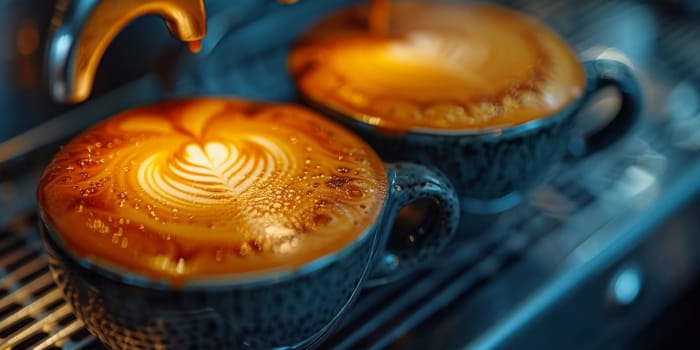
{"points": [[599, 256]]}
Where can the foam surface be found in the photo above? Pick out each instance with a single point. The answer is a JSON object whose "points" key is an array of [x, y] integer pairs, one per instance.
{"points": [[440, 66], [203, 187]]}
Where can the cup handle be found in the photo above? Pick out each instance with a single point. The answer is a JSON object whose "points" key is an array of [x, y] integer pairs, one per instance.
{"points": [[409, 182], [601, 73]]}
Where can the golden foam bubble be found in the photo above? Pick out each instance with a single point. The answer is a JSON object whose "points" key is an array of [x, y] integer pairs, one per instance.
{"points": [[479, 65], [207, 186]]}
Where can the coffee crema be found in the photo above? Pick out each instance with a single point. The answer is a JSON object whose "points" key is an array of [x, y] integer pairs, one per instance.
{"points": [[206, 187], [440, 66]]}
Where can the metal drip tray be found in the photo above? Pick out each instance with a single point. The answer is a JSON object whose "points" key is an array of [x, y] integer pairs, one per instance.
{"points": [[32, 312], [586, 243]]}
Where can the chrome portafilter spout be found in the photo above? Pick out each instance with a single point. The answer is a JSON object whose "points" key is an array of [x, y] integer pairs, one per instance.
{"points": [[81, 30]]}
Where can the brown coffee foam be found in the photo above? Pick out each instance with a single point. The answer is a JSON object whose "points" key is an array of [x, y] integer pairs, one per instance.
{"points": [[203, 187], [442, 66]]}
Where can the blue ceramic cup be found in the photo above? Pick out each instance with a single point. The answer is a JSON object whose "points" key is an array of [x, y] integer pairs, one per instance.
{"points": [[493, 168], [484, 93], [291, 309]]}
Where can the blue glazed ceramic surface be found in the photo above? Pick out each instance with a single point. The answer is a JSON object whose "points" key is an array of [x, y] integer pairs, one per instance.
{"points": [[291, 313]]}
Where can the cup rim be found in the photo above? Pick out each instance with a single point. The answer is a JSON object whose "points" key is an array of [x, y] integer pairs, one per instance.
{"points": [[209, 283], [496, 132], [223, 281]]}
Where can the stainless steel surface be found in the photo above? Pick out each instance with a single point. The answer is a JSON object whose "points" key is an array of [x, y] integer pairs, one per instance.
{"points": [[25, 101], [82, 30], [558, 271], [32, 312]]}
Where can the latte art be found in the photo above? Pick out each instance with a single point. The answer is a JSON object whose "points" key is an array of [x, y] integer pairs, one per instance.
{"points": [[207, 187], [213, 172], [440, 66]]}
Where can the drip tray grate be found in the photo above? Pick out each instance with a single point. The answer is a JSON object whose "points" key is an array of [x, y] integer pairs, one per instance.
{"points": [[33, 314]]}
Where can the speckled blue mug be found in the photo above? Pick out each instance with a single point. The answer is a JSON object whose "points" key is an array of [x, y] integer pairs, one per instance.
{"points": [[492, 168], [282, 310]]}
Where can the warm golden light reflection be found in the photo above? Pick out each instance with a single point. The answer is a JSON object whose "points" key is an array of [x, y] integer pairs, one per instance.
{"points": [[440, 66], [379, 16], [185, 19], [194, 46], [27, 38], [209, 186]]}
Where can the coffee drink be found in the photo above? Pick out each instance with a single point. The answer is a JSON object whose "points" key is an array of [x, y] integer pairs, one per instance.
{"points": [[210, 223], [482, 92], [438, 67], [203, 187]]}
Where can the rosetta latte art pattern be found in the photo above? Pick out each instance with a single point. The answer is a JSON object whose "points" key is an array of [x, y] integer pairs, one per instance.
{"points": [[208, 186], [211, 173]]}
